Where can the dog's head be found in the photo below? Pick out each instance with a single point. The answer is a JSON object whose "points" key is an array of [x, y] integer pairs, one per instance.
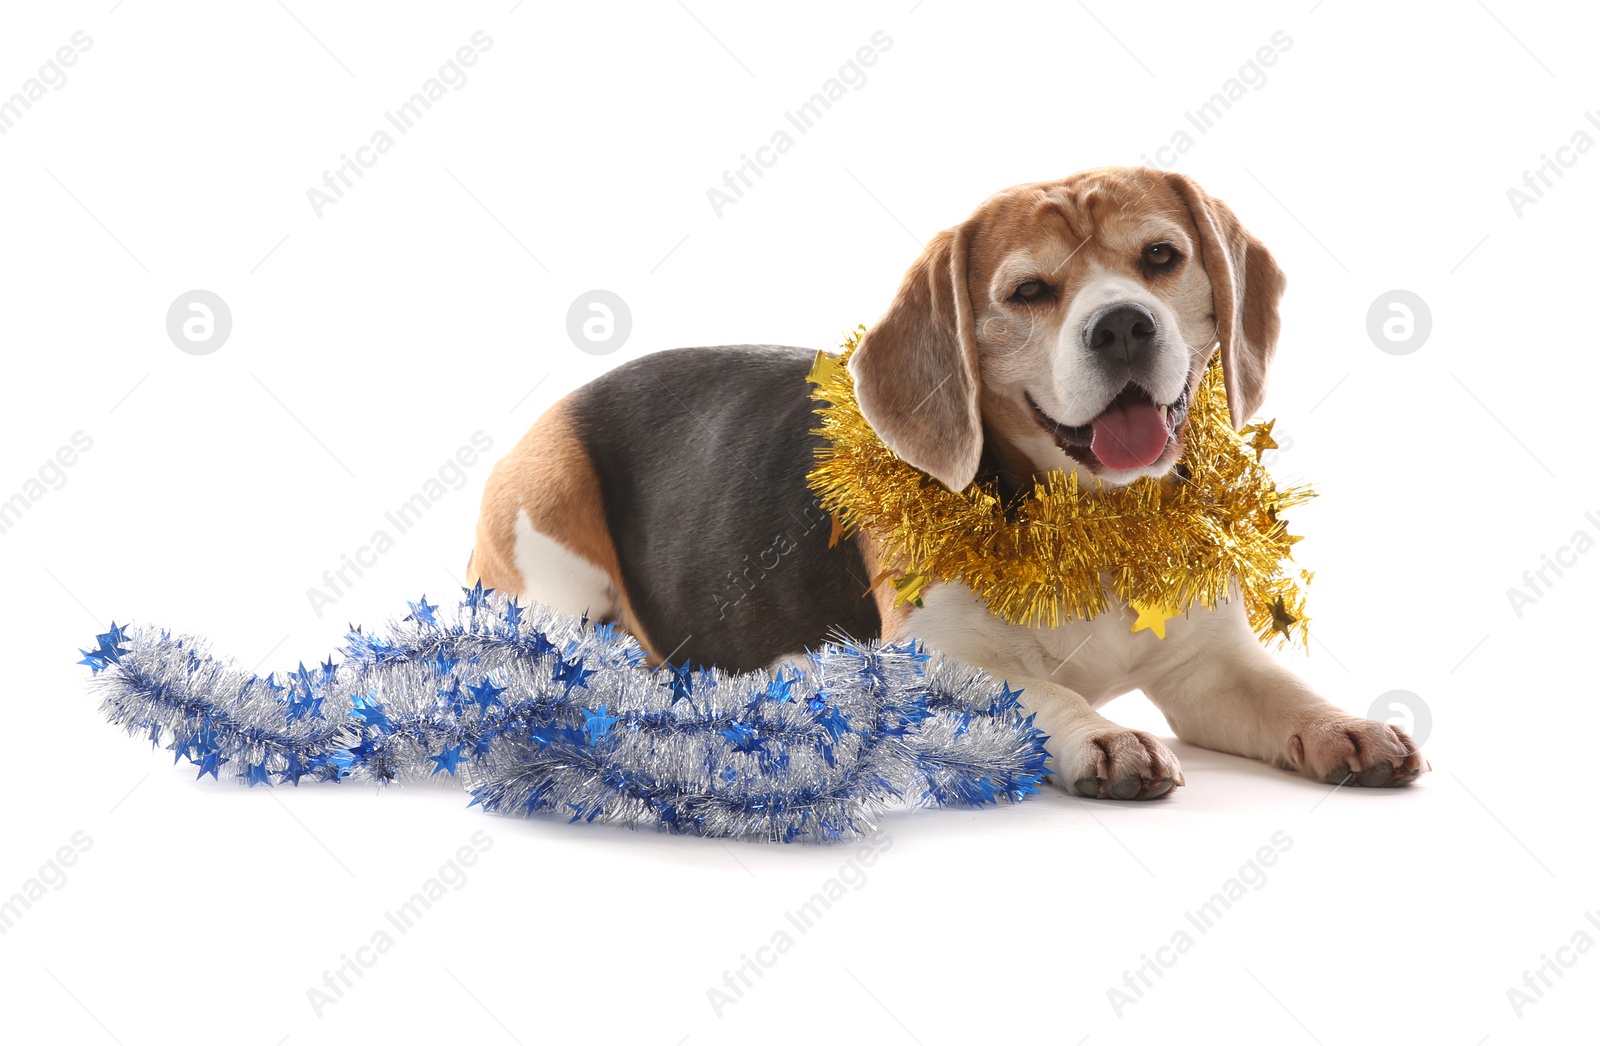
{"points": [[1065, 325]]}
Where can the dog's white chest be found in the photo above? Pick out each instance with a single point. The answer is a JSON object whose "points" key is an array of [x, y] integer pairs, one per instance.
{"points": [[1099, 658]]}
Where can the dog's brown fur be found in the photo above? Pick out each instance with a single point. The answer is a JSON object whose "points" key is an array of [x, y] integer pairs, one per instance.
{"points": [[925, 373], [549, 476]]}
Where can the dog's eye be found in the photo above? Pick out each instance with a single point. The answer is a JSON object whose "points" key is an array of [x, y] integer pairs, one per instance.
{"points": [[1030, 291], [1159, 257]]}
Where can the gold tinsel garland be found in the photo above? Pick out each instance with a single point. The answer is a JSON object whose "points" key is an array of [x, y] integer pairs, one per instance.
{"points": [[1058, 551]]}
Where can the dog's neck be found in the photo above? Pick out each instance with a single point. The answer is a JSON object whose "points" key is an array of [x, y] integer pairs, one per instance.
{"points": [[1006, 463]]}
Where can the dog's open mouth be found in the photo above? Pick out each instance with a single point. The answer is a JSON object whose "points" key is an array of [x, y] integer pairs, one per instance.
{"points": [[1131, 433]]}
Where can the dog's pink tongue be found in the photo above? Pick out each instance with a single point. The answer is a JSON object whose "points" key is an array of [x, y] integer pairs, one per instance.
{"points": [[1129, 436]]}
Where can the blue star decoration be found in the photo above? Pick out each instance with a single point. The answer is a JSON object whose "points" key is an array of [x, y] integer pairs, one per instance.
{"points": [[180, 745], [360, 644], [328, 670], [513, 613], [476, 597], [370, 711], [486, 694], [597, 724], [208, 762], [294, 770], [682, 681], [361, 751], [256, 774], [1007, 699], [441, 664], [540, 643], [422, 612], [452, 697], [301, 703], [744, 738], [573, 674], [302, 706], [835, 723], [447, 760], [274, 688], [199, 747], [108, 649], [781, 689]]}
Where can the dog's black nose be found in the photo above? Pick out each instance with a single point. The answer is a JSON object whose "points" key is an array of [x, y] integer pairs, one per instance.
{"points": [[1125, 331]]}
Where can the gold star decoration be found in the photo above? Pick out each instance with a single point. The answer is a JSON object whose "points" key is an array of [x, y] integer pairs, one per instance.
{"points": [[1154, 617], [1259, 436], [908, 589], [1282, 620], [824, 368]]}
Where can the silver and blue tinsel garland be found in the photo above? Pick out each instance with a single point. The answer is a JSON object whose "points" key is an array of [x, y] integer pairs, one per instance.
{"points": [[537, 711]]}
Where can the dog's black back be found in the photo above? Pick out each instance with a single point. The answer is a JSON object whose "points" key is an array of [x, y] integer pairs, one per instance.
{"points": [[702, 457]]}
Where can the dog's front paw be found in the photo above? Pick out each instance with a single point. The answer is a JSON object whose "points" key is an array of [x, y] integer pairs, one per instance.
{"points": [[1347, 750], [1114, 763]]}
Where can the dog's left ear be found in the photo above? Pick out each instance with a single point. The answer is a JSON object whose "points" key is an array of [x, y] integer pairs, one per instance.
{"points": [[916, 370], [1245, 287]]}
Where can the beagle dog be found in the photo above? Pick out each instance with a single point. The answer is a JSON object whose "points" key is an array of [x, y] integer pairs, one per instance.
{"points": [[1062, 327]]}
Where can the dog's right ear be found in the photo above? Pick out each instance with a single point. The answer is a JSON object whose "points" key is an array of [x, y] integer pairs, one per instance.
{"points": [[916, 370], [1246, 285]]}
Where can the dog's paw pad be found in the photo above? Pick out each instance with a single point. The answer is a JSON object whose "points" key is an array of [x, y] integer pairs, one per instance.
{"points": [[1118, 764], [1349, 751]]}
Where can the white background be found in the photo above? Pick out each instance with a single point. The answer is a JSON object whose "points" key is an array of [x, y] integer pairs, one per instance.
{"points": [[370, 343]]}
